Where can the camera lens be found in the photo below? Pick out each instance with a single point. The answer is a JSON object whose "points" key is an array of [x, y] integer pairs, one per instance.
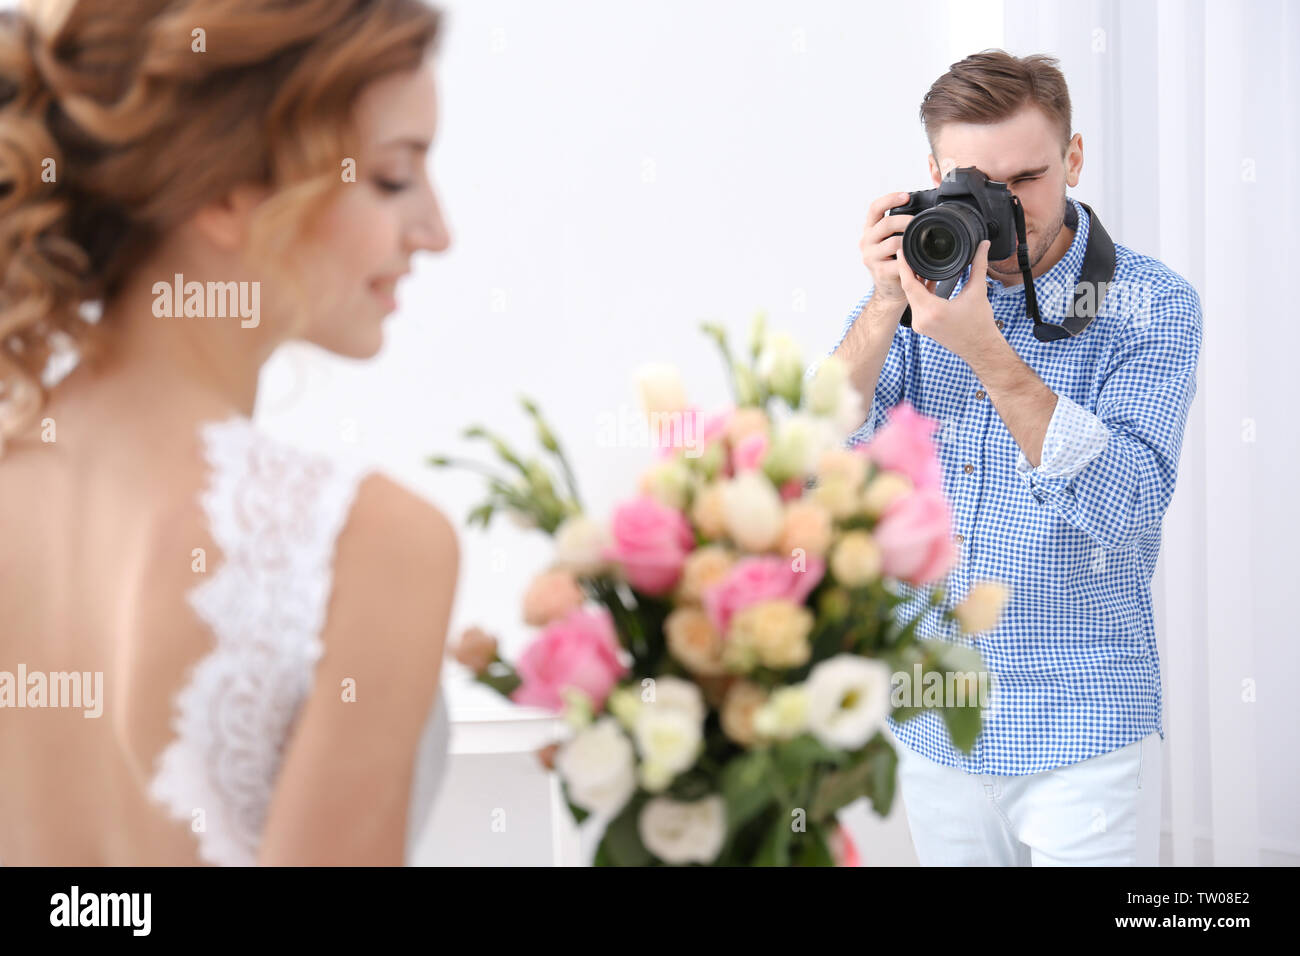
{"points": [[940, 242], [937, 243]]}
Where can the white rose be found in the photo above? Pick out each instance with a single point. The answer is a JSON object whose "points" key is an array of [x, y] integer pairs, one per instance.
{"points": [[579, 546], [598, 767], [753, 511], [848, 700], [661, 389], [679, 832]]}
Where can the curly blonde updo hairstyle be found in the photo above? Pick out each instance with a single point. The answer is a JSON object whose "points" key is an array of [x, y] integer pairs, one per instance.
{"points": [[120, 118]]}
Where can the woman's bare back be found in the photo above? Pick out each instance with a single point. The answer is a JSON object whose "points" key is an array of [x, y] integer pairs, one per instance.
{"points": [[105, 543]]}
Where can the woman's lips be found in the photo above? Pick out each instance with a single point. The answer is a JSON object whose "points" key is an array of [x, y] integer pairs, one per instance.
{"points": [[384, 290]]}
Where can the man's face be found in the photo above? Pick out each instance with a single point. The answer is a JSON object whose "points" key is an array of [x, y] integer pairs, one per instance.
{"points": [[1023, 151]]}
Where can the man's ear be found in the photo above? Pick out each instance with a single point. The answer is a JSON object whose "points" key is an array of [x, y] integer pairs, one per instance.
{"points": [[1074, 160], [936, 176], [225, 221]]}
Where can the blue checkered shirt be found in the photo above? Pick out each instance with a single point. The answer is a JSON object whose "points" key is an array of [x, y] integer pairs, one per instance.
{"points": [[1076, 672]]}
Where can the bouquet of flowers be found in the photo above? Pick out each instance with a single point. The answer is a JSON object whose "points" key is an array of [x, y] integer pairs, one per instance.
{"points": [[725, 646]]}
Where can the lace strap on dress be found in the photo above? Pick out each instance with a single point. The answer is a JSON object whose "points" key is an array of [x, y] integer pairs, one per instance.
{"points": [[275, 514]]}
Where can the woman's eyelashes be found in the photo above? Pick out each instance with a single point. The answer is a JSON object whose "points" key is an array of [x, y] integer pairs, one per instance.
{"points": [[390, 185]]}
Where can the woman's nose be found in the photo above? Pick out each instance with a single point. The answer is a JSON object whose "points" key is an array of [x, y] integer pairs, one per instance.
{"points": [[430, 231]]}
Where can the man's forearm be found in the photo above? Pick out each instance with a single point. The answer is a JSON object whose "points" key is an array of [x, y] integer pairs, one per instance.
{"points": [[867, 344], [1021, 398]]}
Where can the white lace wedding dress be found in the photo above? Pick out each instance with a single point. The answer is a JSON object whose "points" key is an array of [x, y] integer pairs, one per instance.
{"points": [[275, 513]]}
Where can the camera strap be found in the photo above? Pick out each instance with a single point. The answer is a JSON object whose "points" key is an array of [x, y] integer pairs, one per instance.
{"points": [[1094, 278]]}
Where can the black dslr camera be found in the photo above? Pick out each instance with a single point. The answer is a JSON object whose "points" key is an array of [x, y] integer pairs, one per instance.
{"points": [[952, 219]]}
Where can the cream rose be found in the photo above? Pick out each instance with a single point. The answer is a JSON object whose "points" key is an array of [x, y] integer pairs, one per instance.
{"points": [[772, 633], [704, 568], [807, 526], [694, 641], [856, 559], [708, 510], [743, 700], [883, 490], [982, 607]]}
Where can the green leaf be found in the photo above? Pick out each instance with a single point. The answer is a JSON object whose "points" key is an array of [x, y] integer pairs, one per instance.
{"points": [[963, 726], [840, 788], [775, 850], [622, 841], [746, 788], [884, 768], [813, 849]]}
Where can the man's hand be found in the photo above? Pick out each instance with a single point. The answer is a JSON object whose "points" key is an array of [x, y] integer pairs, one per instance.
{"points": [[964, 325]]}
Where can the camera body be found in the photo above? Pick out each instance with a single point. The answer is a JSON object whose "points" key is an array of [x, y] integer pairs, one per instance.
{"points": [[952, 219]]}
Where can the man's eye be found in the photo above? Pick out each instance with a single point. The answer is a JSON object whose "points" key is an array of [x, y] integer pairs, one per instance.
{"points": [[389, 186], [1027, 179]]}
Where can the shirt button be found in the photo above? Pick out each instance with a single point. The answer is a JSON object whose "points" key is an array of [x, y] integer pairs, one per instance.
{"points": [[999, 323], [980, 394], [960, 539], [968, 468]]}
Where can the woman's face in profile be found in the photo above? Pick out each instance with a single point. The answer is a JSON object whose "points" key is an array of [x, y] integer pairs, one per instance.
{"points": [[366, 240]]}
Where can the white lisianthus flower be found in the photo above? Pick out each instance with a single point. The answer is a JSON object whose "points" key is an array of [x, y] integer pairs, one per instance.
{"points": [[848, 700], [797, 447], [669, 742], [598, 767], [669, 731], [679, 832], [752, 511], [785, 715], [579, 546], [677, 693], [661, 390], [780, 366]]}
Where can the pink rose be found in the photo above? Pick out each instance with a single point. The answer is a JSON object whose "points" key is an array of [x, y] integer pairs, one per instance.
{"points": [[748, 454], [651, 541], [578, 651], [905, 443], [915, 538], [760, 578], [550, 596]]}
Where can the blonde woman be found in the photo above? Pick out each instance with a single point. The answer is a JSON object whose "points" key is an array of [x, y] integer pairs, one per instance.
{"points": [[267, 626]]}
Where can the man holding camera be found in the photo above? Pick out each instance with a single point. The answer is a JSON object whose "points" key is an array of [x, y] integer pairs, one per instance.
{"points": [[1062, 402]]}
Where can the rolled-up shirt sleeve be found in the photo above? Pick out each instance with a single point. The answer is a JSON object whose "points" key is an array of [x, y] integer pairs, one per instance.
{"points": [[1111, 473]]}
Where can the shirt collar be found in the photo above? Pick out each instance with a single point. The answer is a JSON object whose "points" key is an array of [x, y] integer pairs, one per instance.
{"points": [[1065, 274]]}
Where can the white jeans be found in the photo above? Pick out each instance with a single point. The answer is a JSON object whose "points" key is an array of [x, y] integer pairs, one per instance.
{"points": [[1103, 811]]}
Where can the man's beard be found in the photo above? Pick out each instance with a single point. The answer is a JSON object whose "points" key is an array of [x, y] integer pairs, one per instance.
{"points": [[1039, 243]]}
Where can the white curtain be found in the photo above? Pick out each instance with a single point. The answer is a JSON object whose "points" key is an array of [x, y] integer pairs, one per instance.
{"points": [[1188, 112]]}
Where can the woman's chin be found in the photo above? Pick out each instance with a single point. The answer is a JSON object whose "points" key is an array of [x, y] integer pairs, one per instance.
{"points": [[356, 344]]}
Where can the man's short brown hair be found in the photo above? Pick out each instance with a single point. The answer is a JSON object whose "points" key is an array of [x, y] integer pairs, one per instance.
{"points": [[993, 85]]}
